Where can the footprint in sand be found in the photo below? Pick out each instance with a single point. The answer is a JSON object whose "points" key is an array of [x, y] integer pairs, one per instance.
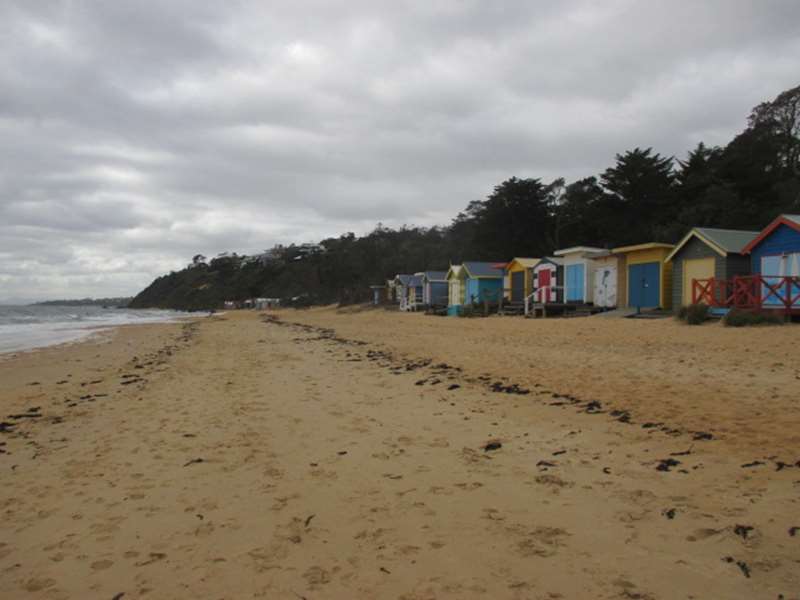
{"points": [[537, 541], [37, 584], [468, 487], [317, 576], [102, 565]]}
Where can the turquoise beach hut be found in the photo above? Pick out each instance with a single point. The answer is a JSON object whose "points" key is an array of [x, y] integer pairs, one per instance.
{"points": [[483, 282]]}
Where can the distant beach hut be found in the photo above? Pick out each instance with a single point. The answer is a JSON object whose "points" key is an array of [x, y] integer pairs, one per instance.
{"points": [[379, 294], [519, 278], [775, 258], [706, 253], [579, 271], [405, 289], [644, 279], [547, 283], [434, 288], [456, 289]]}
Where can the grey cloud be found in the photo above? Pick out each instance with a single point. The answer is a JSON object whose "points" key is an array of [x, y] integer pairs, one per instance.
{"points": [[135, 134]]}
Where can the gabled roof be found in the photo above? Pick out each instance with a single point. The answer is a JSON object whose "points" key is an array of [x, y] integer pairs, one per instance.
{"points": [[415, 281], [553, 260], [525, 263], [638, 247], [402, 278], [482, 270], [585, 251], [455, 271], [792, 221], [722, 241], [433, 275]]}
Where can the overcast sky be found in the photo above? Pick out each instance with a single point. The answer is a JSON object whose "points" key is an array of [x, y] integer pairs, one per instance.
{"points": [[134, 134]]}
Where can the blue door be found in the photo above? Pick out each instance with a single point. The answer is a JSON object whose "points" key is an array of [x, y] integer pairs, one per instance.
{"points": [[575, 277], [775, 270], [644, 285]]}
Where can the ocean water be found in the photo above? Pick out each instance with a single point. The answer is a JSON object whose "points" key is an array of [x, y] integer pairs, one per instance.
{"points": [[29, 327]]}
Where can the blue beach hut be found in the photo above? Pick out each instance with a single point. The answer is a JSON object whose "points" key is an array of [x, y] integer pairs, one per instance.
{"points": [[775, 257], [483, 282]]}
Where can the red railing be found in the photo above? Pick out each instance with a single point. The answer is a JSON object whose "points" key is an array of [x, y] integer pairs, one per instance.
{"points": [[754, 292]]}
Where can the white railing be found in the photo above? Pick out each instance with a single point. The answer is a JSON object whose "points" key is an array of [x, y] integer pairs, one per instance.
{"points": [[546, 294]]}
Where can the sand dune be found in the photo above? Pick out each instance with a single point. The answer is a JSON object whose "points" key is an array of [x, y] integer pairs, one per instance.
{"points": [[344, 454]]}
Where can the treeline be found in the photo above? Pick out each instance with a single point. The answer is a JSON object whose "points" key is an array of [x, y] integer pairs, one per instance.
{"points": [[644, 196]]}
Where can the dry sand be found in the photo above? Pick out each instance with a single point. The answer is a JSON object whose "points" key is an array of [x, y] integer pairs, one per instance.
{"points": [[330, 455]]}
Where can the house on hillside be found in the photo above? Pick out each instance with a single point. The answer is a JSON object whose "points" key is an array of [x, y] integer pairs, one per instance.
{"points": [[434, 288], [519, 279], [644, 278], [705, 253], [579, 269]]}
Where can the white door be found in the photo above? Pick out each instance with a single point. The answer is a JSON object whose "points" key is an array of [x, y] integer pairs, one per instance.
{"points": [[605, 287]]}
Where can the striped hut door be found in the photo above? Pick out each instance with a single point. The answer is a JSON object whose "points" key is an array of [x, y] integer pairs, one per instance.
{"points": [[544, 292]]}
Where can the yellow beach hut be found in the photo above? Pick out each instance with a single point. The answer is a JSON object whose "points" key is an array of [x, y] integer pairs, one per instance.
{"points": [[518, 282], [645, 276], [456, 289]]}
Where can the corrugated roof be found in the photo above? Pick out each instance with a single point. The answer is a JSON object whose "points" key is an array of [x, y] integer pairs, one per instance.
{"points": [[527, 263], [552, 259], [435, 275], [482, 269], [722, 241], [637, 247], [402, 278], [415, 281], [730, 240], [585, 250]]}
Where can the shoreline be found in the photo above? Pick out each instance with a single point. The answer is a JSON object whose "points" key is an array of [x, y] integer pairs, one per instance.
{"points": [[77, 335], [307, 453]]}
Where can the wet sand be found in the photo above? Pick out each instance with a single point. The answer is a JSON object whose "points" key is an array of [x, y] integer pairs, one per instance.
{"points": [[368, 454]]}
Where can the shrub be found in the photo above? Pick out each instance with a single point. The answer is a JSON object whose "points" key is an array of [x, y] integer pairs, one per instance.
{"points": [[693, 314], [743, 318]]}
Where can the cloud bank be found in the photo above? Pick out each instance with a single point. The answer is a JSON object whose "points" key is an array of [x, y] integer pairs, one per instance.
{"points": [[134, 134]]}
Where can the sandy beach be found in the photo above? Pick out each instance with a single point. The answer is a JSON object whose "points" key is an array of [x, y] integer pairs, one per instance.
{"points": [[350, 453]]}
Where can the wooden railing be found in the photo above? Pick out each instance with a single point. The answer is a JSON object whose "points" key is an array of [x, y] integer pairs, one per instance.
{"points": [[749, 292]]}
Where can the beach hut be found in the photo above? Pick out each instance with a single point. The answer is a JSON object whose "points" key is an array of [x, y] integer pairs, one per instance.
{"points": [[579, 268], [409, 290], [518, 282], [434, 288], [483, 282], [775, 259], [456, 289], [547, 284], [605, 275], [380, 294], [704, 253], [644, 279]]}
